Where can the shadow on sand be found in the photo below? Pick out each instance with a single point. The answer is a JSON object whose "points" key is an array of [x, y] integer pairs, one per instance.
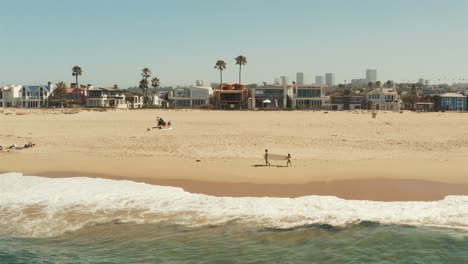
{"points": [[261, 165]]}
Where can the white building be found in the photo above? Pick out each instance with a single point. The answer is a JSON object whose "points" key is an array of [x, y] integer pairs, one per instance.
{"points": [[308, 97], [384, 99], [34, 96], [330, 79], [106, 97], [371, 75], [319, 80], [10, 96], [194, 96]]}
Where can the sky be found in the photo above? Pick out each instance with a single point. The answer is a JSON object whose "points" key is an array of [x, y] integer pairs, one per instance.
{"points": [[181, 40]]}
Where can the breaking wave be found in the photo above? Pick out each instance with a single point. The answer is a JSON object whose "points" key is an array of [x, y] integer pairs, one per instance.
{"points": [[44, 207]]}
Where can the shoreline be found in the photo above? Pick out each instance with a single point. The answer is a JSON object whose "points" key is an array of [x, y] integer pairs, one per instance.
{"points": [[373, 189]]}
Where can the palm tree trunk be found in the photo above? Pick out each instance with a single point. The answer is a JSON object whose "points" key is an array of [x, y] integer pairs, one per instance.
{"points": [[76, 76], [240, 68], [221, 75]]}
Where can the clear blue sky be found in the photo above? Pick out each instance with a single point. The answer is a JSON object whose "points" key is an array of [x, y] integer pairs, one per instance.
{"points": [[180, 41]]}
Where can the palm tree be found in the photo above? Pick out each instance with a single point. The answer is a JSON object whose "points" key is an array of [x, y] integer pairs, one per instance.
{"points": [[240, 60], [145, 73], [61, 91], [155, 83], [221, 66], [144, 86], [76, 71]]}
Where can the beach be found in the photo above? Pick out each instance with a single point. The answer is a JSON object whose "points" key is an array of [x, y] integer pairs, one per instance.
{"points": [[396, 156], [98, 186]]}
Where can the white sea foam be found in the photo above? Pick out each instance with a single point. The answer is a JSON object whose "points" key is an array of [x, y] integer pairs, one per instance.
{"points": [[38, 206]]}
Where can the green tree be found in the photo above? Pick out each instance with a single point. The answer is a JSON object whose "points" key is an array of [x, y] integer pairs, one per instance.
{"points": [[76, 71], [155, 83], [221, 66], [240, 60], [61, 91], [144, 83], [378, 83]]}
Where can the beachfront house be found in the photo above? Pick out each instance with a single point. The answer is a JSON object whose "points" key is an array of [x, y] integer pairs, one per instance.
{"points": [[308, 97], [453, 102], [384, 99], [134, 100], [35, 96], [10, 96], [106, 97], [68, 97], [156, 99], [231, 96], [347, 100], [268, 97], [189, 97]]}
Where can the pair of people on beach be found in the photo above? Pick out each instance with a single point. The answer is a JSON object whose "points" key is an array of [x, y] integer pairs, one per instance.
{"points": [[267, 158], [161, 123], [14, 146]]}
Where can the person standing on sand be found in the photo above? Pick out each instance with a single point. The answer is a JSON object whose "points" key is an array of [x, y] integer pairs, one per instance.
{"points": [[267, 163], [288, 163]]}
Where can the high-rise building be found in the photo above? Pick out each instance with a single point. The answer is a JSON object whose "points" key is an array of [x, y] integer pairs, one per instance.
{"points": [[371, 75], [284, 80], [330, 79], [300, 78], [421, 81], [319, 80]]}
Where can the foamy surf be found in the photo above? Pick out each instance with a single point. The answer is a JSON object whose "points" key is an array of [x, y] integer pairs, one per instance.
{"points": [[39, 206]]}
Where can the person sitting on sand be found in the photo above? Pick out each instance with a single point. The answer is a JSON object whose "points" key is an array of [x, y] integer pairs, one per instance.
{"points": [[160, 122], [12, 146], [267, 163], [288, 162]]}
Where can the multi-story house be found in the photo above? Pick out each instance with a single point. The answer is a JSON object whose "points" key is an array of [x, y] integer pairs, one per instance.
{"points": [[68, 97], [134, 100], [269, 96], [231, 96], [308, 97], [453, 102], [188, 97], [384, 99], [34, 96], [10, 96], [347, 100], [106, 97]]}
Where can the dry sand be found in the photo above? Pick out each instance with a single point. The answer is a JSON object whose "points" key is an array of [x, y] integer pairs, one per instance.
{"points": [[396, 156]]}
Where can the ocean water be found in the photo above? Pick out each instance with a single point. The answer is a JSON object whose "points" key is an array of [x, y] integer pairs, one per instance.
{"points": [[88, 220]]}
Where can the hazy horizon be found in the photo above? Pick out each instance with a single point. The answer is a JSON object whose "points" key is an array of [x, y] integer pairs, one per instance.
{"points": [[180, 41]]}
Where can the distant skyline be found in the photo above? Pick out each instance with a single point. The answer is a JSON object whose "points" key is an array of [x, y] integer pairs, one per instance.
{"points": [[180, 41]]}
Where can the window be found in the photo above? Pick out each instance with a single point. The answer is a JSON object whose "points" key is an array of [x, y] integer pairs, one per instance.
{"points": [[308, 93], [196, 102]]}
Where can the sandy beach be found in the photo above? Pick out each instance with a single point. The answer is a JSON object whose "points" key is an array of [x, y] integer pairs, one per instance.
{"points": [[393, 157]]}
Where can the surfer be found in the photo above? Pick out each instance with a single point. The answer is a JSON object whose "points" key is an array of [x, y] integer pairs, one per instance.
{"points": [[267, 163], [288, 163]]}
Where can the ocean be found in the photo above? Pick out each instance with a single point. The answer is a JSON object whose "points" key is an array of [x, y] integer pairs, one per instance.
{"points": [[91, 220]]}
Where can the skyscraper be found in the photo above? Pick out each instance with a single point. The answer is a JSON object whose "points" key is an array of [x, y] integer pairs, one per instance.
{"points": [[284, 80], [300, 78], [371, 75], [330, 79], [319, 80]]}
